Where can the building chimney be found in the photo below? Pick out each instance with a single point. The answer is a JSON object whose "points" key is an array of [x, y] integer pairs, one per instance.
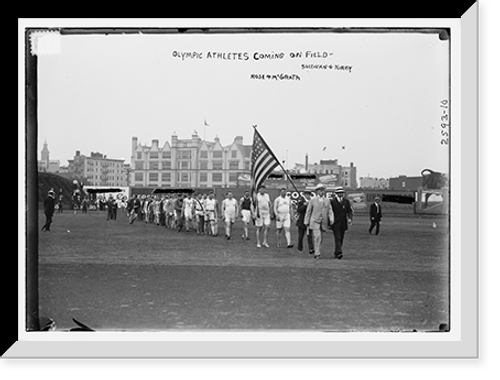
{"points": [[174, 139], [238, 140], [307, 162], [134, 148]]}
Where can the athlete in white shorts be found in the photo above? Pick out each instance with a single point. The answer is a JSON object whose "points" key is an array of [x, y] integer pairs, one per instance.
{"points": [[188, 207], [263, 216], [282, 210], [246, 213], [211, 213], [229, 210]]}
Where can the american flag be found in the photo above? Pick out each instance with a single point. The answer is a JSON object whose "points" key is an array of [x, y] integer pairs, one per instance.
{"points": [[263, 163]]}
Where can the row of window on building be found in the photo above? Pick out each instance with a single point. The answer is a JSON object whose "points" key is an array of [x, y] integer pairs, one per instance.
{"points": [[183, 154], [184, 177], [186, 165]]}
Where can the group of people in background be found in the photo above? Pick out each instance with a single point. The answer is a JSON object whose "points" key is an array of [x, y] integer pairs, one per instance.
{"points": [[187, 212]]}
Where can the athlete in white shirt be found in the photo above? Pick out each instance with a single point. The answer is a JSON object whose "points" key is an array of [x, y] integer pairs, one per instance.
{"points": [[262, 214], [188, 208], [229, 211], [211, 212], [282, 210]]}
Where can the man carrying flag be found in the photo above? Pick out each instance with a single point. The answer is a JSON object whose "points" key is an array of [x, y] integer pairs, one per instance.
{"points": [[263, 163]]}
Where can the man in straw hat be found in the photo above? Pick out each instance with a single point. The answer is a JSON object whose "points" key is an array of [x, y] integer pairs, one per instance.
{"points": [[319, 216], [342, 210]]}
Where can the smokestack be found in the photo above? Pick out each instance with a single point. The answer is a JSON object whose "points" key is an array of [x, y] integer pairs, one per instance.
{"points": [[307, 162], [134, 144]]}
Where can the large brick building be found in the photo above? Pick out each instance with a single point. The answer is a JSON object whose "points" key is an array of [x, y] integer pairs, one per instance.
{"points": [[98, 169], [189, 163]]}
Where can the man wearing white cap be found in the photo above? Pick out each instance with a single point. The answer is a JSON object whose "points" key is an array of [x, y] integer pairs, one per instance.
{"points": [[342, 210], [319, 216]]}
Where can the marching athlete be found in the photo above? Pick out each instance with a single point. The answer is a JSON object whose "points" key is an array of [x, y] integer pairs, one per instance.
{"points": [[282, 208], [188, 208], [211, 209], [199, 214], [262, 214], [246, 213], [229, 212]]}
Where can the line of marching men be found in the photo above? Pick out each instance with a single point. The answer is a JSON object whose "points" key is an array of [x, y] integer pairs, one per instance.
{"points": [[314, 214]]}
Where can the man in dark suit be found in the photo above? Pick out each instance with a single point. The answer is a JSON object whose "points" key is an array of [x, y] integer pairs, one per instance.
{"points": [[303, 229], [48, 208], [342, 211], [375, 216]]}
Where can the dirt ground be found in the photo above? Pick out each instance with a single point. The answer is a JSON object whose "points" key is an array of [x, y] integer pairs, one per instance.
{"points": [[112, 275]]}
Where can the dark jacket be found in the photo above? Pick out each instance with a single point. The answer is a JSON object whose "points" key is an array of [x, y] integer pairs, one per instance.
{"points": [[301, 213], [374, 215], [49, 205], [342, 211]]}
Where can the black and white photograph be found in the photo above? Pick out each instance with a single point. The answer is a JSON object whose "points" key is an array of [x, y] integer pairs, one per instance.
{"points": [[243, 180]]}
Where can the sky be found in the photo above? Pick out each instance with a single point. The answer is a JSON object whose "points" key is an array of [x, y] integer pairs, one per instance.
{"points": [[376, 104]]}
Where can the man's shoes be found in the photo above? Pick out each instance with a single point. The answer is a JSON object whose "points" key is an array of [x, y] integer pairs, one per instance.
{"points": [[289, 246], [317, 256], [258, 245], [265, 245], [339, 256], [311, 251]]}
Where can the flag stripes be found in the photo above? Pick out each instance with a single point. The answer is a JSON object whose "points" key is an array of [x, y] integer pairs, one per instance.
{"points": [[263, 163]]}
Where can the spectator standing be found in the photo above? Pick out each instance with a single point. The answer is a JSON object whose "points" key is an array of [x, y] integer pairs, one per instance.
{"points": [[375, 216], [48, 209]]}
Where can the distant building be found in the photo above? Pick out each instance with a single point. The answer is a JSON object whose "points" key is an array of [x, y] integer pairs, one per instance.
{"points": [[349, 177], [403, 182], [189, 163], [45, 164], [373, 183], [98, 170], [330, 172]]}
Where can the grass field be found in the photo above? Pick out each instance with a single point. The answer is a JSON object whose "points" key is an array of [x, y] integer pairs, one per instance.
{"points": [[115, 276]]}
